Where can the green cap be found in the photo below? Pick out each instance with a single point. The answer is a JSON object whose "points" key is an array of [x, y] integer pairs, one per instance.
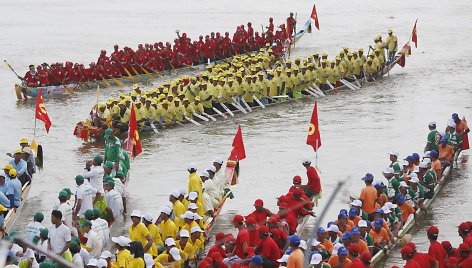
{"points": [[46, 264], [107, 178], [88, 214], [120, 174], [108, 165], [86, 223], [79, 178], [63, 194], [44, 232], [98, 159], [75, 240], [36, 239], [96, 212], [38, 216], [110, 183], [68, 191], [108, 133]]}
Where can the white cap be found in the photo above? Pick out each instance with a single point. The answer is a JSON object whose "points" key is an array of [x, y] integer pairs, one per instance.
{"points": [[218, 160], [306, 161], [192, 196], [388, 170], [148, 217], [105, 254], [451, 123], [184, 233], [427, 160], [187, 215], [423, 165], [182, 191], [362, 223], [211, 168], [315, 243], [166, 210], [196, 229], [405, 163], [169, 242], [391, 205], [203, 173], [426, 154], [196, 216], [120, 240], [432, 123], [175, 253], [414, 179], [316, 258], [356, 203], [192, 166], [148, 260], [175, 194], [192, 206], [92, 262], [283, 259], [403, 184], [333, 228], [416, 169], [303, 245], [394, 153], [136, 213], [101, 263], [336, 248], [386, 209], [2, 174]]}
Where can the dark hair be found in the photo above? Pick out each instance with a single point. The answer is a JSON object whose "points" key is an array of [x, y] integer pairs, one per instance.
{"points": [[136, 248], [56, 214]]}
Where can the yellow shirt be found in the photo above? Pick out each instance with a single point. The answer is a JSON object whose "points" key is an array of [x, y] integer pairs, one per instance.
{"points": [[136, 263], [139, 233], [333, 75], [179, 209], [195, 184], [188, 249], [122, 259], [168, 229], [168, 114], [274, 86], [155, 235], [356, 66], [197, 245], [392, 43], [125, 118], [188, 227], [179, 112]]}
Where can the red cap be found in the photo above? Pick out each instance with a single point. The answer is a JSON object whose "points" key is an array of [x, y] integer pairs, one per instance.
{"points": [[452, 261], [282, 198], [297, 192], [273, 219], [366, 257], [219, 236], [446, 245], [283, 205], [433, 230], [258, 203], [216, 256], [263, 229], [249, 252], [237, 219], [251, 220], [463, 247], [411, 245], [297, 179], [407, 250], [230, 238], [464, 227], [203, 264], [354, 248]]}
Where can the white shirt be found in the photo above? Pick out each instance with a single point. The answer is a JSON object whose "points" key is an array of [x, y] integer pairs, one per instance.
{"points": [[212, 190], [121, 188], [77, 260], [95, 175], [220, 179], [95, 243], [66, 211], [32, 230], [44, 246], [58, 237], [86, 193], [114, 202], [84, 254], [100, 226]]}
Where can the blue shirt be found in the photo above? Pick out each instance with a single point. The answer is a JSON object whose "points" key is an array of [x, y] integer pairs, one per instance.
{"points": [[15, 184], [6, 189], [21, 168]]}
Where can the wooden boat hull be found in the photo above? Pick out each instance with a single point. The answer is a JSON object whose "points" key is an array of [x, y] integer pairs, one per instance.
{"points": [[12, 215]]}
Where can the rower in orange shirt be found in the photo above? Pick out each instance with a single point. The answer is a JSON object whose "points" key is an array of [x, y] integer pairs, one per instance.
{"points": [[380, 236], [323, 241], [446, 152], [340, 260], [354, 216], [356, 240], [436, 164], [368, 195], [406, 208]]}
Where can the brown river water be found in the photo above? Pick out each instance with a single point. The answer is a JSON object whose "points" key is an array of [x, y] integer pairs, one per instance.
{"points": [[358, 128]]}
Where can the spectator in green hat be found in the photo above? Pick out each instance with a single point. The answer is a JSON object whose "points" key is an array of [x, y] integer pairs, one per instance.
{"points": [[32, 229], [94, 243], [65, 208], [114, 200], [85, 196]]}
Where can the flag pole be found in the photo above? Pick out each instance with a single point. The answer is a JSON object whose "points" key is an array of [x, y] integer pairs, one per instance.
{"points": [[316, 154]]}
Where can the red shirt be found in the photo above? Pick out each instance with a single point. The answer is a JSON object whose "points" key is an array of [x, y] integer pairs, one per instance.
{"points": [[269, 249], [253, 238], [243, 237], [218, 249], [357, 263], [313, 180], [279, 236], [437, 252], [412, 264], [424, 259], [291, 221], [467, 262]]}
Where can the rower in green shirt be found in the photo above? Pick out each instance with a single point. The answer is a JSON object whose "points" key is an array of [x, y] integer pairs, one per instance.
{"points": [[393, 182], [433, 137], [112, 148], [394, 161], [454, 138]]}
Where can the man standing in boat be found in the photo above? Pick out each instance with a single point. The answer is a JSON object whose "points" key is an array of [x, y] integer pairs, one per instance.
{"points": [[392, 46], [313, 187], [112, 148], [291, 24]]}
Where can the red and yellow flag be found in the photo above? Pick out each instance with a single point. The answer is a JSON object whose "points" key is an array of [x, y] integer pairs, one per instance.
{"points": [[238, 152], [41, 113], [314, 16], [134, 143], [414, 36], [314, 138]]}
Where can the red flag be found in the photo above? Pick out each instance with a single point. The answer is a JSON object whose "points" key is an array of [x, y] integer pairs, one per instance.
{"points": [[314, 138], [414, 36], [238, 152], [134, 143], [41, 113], [314, 16], [402, 60]]}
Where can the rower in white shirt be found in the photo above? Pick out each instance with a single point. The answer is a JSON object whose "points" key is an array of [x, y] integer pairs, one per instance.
{"points": [[94, 173]]}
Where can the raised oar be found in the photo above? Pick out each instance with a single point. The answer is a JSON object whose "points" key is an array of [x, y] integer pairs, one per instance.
{"points": [[347, 84], [201, 117], [66, 88], [13, 70], [154, 128], [258, 101], [352, 84], [332, 87], [118, 82], [226, 109], [245, 104], [239, 106], [126, 70], [209, 116]]}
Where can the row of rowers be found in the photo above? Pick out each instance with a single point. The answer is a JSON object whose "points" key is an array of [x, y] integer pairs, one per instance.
{"points": [[80, 229]]}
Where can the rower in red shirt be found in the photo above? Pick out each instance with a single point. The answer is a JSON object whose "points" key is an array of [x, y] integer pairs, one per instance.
{"points": [[267, 247], [30, 77], [451, 252], [464, 253], [270, 28], [251, 227], [313, 187], [250, 30], [102, 58], [297, 183], [407, 255], [260, 214], [291, 23], [287, 218], [423, 259], [242, 239], [436, 251], [280, 237], [218, 246], [297, 200], [43, 76]]}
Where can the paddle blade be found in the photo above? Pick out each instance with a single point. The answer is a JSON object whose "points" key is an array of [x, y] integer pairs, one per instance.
{"points": [[39, 157]]}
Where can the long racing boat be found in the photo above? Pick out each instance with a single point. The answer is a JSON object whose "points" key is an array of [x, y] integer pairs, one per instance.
{"points": [[13, 213]]}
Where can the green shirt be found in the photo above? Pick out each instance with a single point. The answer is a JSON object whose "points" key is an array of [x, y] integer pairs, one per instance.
{"points": [[455, 139], [394, 183], [369, 240], [364, 216], [396, 167], [433, 140], [112, 149], [429, 180]]}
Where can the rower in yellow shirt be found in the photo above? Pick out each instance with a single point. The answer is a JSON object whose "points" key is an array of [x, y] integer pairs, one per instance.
{"points": [[380, 58], [349, 65], [188, 108], [178, 110], [298, 82], [288, 79], [356, 65], [184, 245], [340, 68], [157, 244], [333, 75], [166, 112], [123, 115], [167, 227], [322, 75], [274, 84], [140, 113], [178, 208], [189, 220], [195, 183], [138, 232], [361, 55], [170, 258], [198, 106], [392, 46], [369, 69], [196, 238]]}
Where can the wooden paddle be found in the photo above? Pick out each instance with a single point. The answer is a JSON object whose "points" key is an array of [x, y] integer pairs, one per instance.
{"points": [[126, 70], [66, 88]]}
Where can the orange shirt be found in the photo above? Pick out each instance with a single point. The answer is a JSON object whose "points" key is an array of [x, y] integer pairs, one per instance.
{"points": [[380, 236], [368, 198], [334, 260], [406, 209], [355, 221], [445, 153], [363, 245], [436, 166], [381, 200], [328, 245], [295, 260]]}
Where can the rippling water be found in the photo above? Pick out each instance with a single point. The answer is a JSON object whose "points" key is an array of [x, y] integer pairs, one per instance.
{"points": [[357, 128]]}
